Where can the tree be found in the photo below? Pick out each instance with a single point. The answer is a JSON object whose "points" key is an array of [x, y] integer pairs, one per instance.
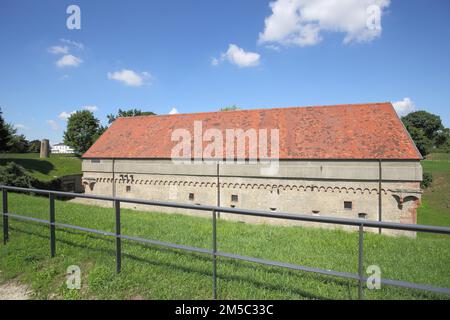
{"points": [[421, 140], [128, 113], [429, 123], [230, 108], [443, 141], [18, 144], [82, 131], [427, 131], [34, 146], [101, 130], [5, 135]]}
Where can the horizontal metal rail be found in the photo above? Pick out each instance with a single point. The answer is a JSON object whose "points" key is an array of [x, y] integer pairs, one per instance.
{"points": [[259, 213], [214, 253]]}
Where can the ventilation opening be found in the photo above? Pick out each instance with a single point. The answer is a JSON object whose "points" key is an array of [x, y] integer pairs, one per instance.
{"points": [[128, 188], [362, 215], [273, 209], [348, 205], [95, 161], [191, 196], [315, 212], [234, 198]]}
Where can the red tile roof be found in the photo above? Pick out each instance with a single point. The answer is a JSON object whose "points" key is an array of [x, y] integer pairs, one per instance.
{"points": [[359, 131]]}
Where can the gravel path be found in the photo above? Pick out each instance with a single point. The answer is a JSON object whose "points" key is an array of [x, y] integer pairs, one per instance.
{"points": [[14, 290]]}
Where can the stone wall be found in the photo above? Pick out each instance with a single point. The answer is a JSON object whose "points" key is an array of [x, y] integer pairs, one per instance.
{"points": [[306, 187]]}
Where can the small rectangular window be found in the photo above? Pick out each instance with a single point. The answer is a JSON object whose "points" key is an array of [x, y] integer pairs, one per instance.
{"points": [[362, 215], [191, 196], [348, 205], [234, 198], [128, 188], [95, 161]]}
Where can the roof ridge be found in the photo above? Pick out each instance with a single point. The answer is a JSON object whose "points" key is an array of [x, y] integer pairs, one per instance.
{"points": [[263, 109]]}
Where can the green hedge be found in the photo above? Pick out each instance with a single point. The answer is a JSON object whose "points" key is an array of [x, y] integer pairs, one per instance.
{"points": [[426, 180], [15, 175]]}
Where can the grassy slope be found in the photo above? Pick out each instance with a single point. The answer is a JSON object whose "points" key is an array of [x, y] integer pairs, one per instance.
{"points": [[435, 208], [44, 169], [438, 156], [158, 273]]}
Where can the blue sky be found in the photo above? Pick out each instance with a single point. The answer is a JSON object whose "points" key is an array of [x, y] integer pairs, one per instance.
{"points": [[200, 55]]}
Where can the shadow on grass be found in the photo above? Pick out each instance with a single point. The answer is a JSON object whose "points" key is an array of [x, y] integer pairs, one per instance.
{"points": [[249, 267], [347, 285], [32, 165]]}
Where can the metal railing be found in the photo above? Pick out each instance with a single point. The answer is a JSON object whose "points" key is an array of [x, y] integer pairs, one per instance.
{"points": [[361, 223]]}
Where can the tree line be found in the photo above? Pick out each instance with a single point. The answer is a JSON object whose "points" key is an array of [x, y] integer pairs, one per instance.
{"points": [[12, 142], [82, 130], [428, 132]]}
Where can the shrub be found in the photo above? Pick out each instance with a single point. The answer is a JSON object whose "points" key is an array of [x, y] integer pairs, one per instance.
{"points": [[54, 184], [15, 175], [426, 180]]}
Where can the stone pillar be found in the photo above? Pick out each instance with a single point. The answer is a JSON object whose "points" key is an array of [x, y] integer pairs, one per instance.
{"points": [[45, 148]]}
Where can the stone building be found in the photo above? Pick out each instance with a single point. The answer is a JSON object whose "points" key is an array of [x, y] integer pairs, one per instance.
{"points": [[329, 160]]}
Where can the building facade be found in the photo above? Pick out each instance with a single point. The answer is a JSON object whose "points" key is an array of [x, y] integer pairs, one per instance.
{"points": [[349, 176], [61, 148]]}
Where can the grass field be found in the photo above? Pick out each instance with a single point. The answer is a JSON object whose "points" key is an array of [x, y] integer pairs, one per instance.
{"points": [[439, 156], [157, 273], [44, 169], [435, 208], [152, 272]]}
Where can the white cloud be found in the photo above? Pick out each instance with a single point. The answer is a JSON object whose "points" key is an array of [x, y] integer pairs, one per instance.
{"points": [[403, 107], [301, 22], [78, 45], [68, 60], [53, 124], [239, 57], [174, 111], [59, 50], [90, 108], [130, 77], [273, 47], [215, 62], [21, 126], [65, 115]]}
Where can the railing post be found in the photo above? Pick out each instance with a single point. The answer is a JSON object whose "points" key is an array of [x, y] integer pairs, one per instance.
{"points": [[214, 256], [5, 217], [118, 240], [361, 262], [51, 197]]}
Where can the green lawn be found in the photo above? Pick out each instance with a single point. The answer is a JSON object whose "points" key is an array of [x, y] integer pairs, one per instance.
{"points": [[158, 273], [435, 208], [44, 169]]}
